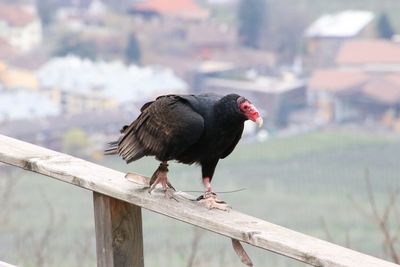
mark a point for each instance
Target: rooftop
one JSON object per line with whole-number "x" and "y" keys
{"x": 173, "y": 8}
{"x": 369, "y": 51}
{"x": 384, "y": 88}
{"x": 334, "y": 80}
{"x": 343, "y": 24}
{"x": 17, "y": 15}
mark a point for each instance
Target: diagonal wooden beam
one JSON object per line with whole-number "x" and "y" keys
{"x": 232, "y": 224}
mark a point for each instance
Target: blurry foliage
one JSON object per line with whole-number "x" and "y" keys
{"x": 386, "y": 220}
{"x": 385, "y": 29}
{"x": 28, "y": 243}
{"x": 251, "y": 16}
{"x": 132, "y": 52}
{"x": 75, "y": 141}
{"x": 284, "y": 33}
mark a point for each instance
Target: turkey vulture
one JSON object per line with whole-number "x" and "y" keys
{"x": 190, "y": 129}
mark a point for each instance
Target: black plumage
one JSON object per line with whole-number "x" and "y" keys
{"x": 187, "y": 128}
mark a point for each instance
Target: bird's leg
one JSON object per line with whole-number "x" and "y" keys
{"x": 207, "y": 185}
{"x": 160, "y": 177}
{"x": 209, "y": 198}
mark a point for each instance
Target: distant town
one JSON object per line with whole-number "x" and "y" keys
{"x": 89, "y": 66}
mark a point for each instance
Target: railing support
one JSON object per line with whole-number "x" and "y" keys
{"x": 119, "y": 236}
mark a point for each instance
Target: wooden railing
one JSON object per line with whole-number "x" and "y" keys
{"x": 118, "y": 220}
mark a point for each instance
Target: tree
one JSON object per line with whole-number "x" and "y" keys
{"x": 76, "y": 45}
{"x": 385, "y": 29}
{"x": 251, "y": 16}
{"x": 132, "y": 52}
{"x": 46, "y": 10}
{"x": 284, "y": 33}
{"x": 75, "y": 141}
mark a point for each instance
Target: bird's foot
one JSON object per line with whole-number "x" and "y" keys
{"x": 160, "y": 177}
{"x": 210, "y": 200}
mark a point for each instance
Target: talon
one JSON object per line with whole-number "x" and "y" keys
{"x": 160, "y": 177}
{"x": 210, "y": 200}
{"x": 170, "y": 186}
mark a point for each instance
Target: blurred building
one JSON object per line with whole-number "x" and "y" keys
{"x": 277, "y": 97}
{"x": 12, "y": 78}
{"x": 372, "y": 55}
{"x": 20, "y": 26}
{"x": 177, "y": 9}
{"x": 325, "y": 35}
{"x": 364, "y": 86}
{"x": 183, "y": 35}
{"x": 82, "y": 16}
{"x": 80, "y": 85}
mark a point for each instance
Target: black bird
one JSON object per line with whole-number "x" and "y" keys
{"x": 190, "y": 129}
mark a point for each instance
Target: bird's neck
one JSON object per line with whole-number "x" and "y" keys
{"x": 227, "y": 116}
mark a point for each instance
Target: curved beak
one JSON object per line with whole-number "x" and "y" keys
{"x": 259, "y": 122}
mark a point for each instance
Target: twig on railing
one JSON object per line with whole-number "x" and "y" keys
{"x": 382, "y": 220}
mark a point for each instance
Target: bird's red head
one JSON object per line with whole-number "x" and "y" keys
{"x": 249, "y": 110}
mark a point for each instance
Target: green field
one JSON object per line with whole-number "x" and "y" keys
{"x": 296, "y": 182}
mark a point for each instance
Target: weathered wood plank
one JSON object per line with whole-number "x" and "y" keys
{"x": 233, "y": 224}
{"x": 119, "y": 237}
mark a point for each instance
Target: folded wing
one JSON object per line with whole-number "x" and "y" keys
{"x": 165, "y": 128}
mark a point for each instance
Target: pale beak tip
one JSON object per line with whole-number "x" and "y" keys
{"x": 259, "y": 122}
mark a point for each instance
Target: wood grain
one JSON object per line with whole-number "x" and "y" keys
{"x": 232, "y": 224}
{"x": 119, "y": 237}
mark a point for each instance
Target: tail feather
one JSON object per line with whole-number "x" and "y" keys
{"x": 112, "y": 148}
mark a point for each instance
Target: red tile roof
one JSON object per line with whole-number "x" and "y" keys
{"x": 181, "y": 8}
{"x": 383, "y": 88}
{"x": 369, "y": 51}
{"x": 336, "y": 80}
{"x": 16, "y": 15}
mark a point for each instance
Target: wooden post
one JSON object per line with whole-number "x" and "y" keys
{"x": 119, "y": 236}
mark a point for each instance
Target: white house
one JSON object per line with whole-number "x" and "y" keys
{"x": 325, "y": 35}
{"x": 344, "y": 24}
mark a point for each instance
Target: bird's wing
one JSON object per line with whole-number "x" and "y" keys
{"x": 165, "y": 128}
